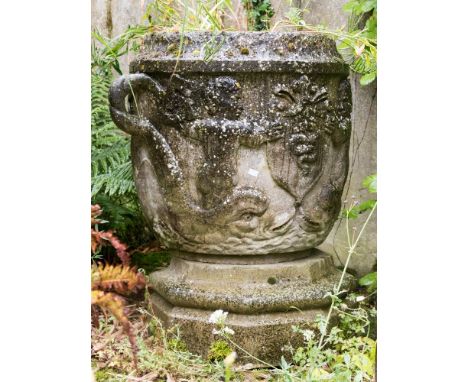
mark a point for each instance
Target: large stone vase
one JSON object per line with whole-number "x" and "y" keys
{"x": 240, "y": 154}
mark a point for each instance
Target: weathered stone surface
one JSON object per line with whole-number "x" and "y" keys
{"x": 263, "y": 335}
{"x": 248, "y": 161}
{"x": 249, "y": 288}
{"x": 239, "y": 163}
{"x": 264, "y": 300}
{"x": 239, "y": 52}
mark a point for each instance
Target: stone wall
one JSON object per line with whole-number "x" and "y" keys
{"x": 112, "y": 17}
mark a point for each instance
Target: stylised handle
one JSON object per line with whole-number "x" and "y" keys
{"x": 126, "y": 86}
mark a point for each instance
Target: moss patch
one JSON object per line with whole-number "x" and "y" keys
{"x": 219, "y": 350}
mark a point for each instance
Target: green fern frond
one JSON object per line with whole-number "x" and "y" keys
{"x": 111, "y": 171}
{"x": 106, "y": 158}
{"x": 118, "y": 181}
{"x": 112, "y": 184}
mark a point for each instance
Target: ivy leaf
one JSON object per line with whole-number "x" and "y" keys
{"x": 370, "y": 182}
{"x": 371, "y": 27}
{"x": 345, "y": 48}
{"x": 368, "y": 5}
{"x": 366, "y": 79}
{"x": 351, "y": 6}
{"x": 369, "y": 281}
{"x": 360, "y": 6}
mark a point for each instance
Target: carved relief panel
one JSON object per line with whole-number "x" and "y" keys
{"x": 237, "y": 163}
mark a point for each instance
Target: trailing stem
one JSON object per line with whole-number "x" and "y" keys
{"x": 337, "y": 291}
{"x": 247, "y": 353}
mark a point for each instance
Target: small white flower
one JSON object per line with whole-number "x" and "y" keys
{"x": 228, "y": 330}
{"x": 360, "y": 298}
{"x": 224, "y": 330}
{"x": 218, "y": 317}
{"x": 308, "y": 335}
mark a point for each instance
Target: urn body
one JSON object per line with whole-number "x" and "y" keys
{"x": 242, "y": 154}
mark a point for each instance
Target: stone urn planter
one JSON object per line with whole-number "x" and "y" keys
{"x": 239, "y": 162}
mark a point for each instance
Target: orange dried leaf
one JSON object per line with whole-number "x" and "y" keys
{"x": 95, "y": 212}
{"x": 120, "y": 248}
{"x": 96, "y": 241}
{"x": 117, "y": 278}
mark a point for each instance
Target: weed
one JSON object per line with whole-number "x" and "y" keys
{"x": 219, "y": 350}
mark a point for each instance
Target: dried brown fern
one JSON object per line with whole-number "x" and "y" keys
{"x": 100, "y": 238}
{"x": 121, "y": 279}
{"x": 110, "y": 282}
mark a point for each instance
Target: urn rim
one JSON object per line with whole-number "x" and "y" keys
{"x": 239, "y": 52}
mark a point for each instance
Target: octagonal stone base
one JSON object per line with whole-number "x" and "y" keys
{"x": 263, "y": 298}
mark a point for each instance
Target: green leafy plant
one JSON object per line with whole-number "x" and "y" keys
{"x": 361, "y": 53}
{"x": 162, "y": 13}
{"x": 110, "y": 156}
{"x": 259, "y": 13}
{"x": 177, "y": 344}
{"x": 111, "y": 172}
{"x": 363, "y": 12}
{"x": 343, "y": 357}
{"x": 112, "y": 184}
{"x": 189, "y": 15}
{"x": 219, "y": 350}
{"x": 357, "y": 45}
{"x": 295, "y": 17}
{"x": 105, "y": 52}
{"x": 369, "y": 281}
{"x": 370, "y": 182}
{"x": 356, "y": 209}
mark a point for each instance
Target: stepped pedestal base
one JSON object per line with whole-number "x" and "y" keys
{"x": 264, "y": 299}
